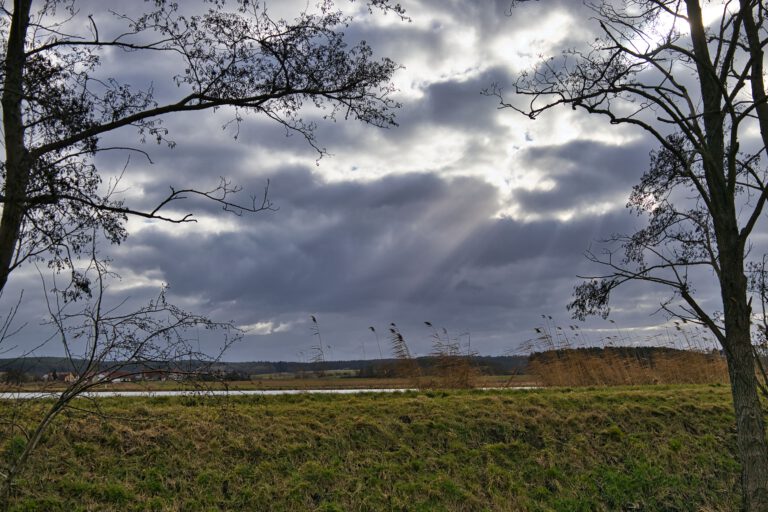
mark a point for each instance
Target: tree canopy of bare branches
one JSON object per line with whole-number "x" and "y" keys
{"x": 697, "y": 86}
{"x": 58, "y": 103}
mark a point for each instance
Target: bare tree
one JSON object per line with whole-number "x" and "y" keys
{"x": 57, "y": 102}
{"x": 105, "y": 343}
{"x": 697, "y": 87}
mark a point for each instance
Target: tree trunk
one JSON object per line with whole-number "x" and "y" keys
{"x": 17, "y": 162}
{"x": 750, "y": 427}
{"x": 750, "y": 424}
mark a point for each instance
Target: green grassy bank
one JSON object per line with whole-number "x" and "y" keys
{"x": 643, "y": 448}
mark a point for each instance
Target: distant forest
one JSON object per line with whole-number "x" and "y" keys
{"x": 36, "y": 367}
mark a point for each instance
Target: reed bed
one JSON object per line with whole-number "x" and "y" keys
{"x": 452, "y": 365}
{"x": 684, "y": 354}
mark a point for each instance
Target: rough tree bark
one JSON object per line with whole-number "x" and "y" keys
{"x": 737, "y": 343}
{"x": 18, "y": 165}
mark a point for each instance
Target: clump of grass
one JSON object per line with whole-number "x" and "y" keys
{"x": 378, "y": 344}
{"x": 317, "y": 350}
{"x": 612, "y": 366}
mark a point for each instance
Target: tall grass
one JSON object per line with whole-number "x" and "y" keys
{"x": 450, "y": 365}
{"x": 567, "y": 356}
{"x": 453, "y": 368}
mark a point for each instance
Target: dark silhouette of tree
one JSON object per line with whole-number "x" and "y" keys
{"x": 57, "y": 102}
{"x": 697, "y": 87}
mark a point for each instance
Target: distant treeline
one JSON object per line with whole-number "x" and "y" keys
{"x": 645, "y": 354}
{"x": 36, "y": 367}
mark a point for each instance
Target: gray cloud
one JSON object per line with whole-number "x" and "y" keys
{"x": 584, "y": 172}
{"x": 403, "y": 248}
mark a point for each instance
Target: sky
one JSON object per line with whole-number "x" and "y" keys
{"x": 473, "y": 218}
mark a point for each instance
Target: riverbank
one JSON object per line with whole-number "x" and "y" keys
{"x": 638, "y": 448}
{"x": 272, "y": 383}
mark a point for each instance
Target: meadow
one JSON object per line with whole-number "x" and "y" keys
{"x": 621, "y": 448}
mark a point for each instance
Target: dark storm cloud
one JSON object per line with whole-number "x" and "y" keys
{"x": 364, "y": 238}
{"x": 505, "y": 241}
{"x": 453, "y": 104}
{"x": 402, "y": 248}
{"x": 584, "y": 173}
{"x": 457, "y": 104}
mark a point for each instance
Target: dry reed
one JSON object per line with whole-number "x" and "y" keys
{"x": 453, "y": 367}
{"x": 567, "y": 357}
{"x": 447, "y": 367}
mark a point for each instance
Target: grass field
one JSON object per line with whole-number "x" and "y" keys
{"x": 635, "y": 448}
